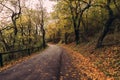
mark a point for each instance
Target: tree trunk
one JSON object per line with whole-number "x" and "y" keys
{"x": 77, "y": 36}
{"x": 44, "y": 43}
{"x": 36, "y": 34}
{"x": 104, "y": 32}
{"x": 22, "y": 34}
{"x": 42, "y": 27}
{"x": 15, "y": 31}
{"x": 66, "y": 37}
{"x": 106, "y": 28}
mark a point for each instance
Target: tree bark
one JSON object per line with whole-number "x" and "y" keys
{"x": 44, "y": 43}
{"x": 15, "y": 30}
{"x": 66, "y": 37}
{"x": 107, "y": 26}
{"x": 77, "y": 36}
{"x": 104, "y": 32}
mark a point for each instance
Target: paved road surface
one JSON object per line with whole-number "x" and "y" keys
{"x": 44, "y": 66}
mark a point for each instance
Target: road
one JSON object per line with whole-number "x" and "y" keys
{"x": 48, "y": 65}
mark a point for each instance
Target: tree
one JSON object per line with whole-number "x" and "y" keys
{"x": 111, "y": 17}
{"x": 62, "y": 23}
{"x": 77, "y": 9}
{"x": 15, "y": 15}
{"x": 21, "y": 26}
{"x": 41, "y": 20}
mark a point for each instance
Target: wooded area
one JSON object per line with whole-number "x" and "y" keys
{"x": 70, "y": 21}
{"x": 87, "y": 30}
{"x": 83, "y": 19}
{"x": 21, "y": 29}
{"x": 21, "y": 26}
{"x": 90, "y": 28}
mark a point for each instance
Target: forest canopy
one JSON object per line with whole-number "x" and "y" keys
{"x": 21, "y": 25}
{"x": 78, "y": 20}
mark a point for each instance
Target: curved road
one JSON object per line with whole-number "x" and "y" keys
{"x": 44, "y": 66}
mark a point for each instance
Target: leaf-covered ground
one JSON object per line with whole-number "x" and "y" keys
{"x": 87, "y": 70}
{"x": 98, "y": 64}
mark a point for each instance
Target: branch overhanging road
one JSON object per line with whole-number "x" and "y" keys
{"x": 48, "y": 65}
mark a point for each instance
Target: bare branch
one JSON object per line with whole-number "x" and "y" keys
{"x": 6, "y": 7}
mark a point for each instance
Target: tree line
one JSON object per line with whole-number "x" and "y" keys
{"x": 76, "y": 20}
{"x": 21, "y": 26}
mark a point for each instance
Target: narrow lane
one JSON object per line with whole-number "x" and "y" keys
{"x": 44, "y": 66}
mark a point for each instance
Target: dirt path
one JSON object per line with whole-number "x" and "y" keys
{"x": 55, "y": 63}
{"x": 49, "y": 65}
